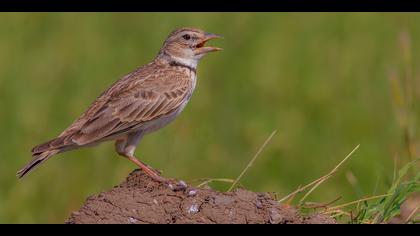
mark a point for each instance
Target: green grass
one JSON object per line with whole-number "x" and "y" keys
{"x": 324, "y": 81}
{"x": 386, "y": 208}
{"x": 390, "y": 205}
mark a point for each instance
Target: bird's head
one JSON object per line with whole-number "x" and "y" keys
{"x": 187, "y": 46}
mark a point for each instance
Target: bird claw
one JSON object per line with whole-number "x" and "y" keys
{"x": 175, "y": 185}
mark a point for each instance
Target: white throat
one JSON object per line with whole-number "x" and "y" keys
{"x": 191, "y": 62}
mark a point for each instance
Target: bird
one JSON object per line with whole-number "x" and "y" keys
{"x": 139, "y": 103}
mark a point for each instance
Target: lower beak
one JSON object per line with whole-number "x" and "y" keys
{"x": 201, "y": 49}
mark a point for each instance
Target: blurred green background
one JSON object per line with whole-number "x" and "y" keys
{"x": 319, "y": 79}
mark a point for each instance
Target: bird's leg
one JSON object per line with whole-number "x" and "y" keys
{"x": 126, "y": 147}
{"x": 149, "y": 171}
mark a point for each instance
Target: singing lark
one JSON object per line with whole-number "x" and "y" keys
{"x": 141, "y": 102}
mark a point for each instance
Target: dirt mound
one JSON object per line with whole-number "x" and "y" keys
{"x": 141, "y": 200}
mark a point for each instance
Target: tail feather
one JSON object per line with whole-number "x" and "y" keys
{"x": 36, "y": 161}
{"x": 50, "y": 145}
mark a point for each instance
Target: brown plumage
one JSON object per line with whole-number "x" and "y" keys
{"x": 139, "y": 103}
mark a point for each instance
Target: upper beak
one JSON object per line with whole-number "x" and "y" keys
{"x": 209, "y": 36}
{"x": 201, "y": 48}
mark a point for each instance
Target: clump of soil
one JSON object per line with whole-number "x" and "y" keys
{"x": 140, "y": 200}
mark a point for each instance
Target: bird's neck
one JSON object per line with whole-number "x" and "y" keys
{"x": 166, "y": 58}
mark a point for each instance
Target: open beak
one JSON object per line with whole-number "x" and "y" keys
{"x": 202, "y": 49}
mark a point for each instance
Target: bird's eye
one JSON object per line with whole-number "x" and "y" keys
{"x": 186, "y": 36}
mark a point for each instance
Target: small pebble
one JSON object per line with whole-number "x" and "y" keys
{"x": 183, "y": 184}
{"x": 132, "y": 220}
{"x": 193, "y": 209}
{"x": 258, "y": 204}
{"x": 275, "y": 216}
{"x": 192, "y": 192}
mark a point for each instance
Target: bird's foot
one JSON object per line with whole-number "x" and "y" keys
{"x": 176, "y": 185}
{"x": 173, "y": 184}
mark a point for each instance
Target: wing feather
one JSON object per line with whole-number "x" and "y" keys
{"x": 140, "y": 101}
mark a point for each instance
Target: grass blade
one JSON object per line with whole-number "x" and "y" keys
{"x": 329, "y": 174}
{"x": 252, "y": 160}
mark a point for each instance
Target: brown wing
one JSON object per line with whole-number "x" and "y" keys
{"x": 132, "y": 101}
{"x": 150, "y": 100}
